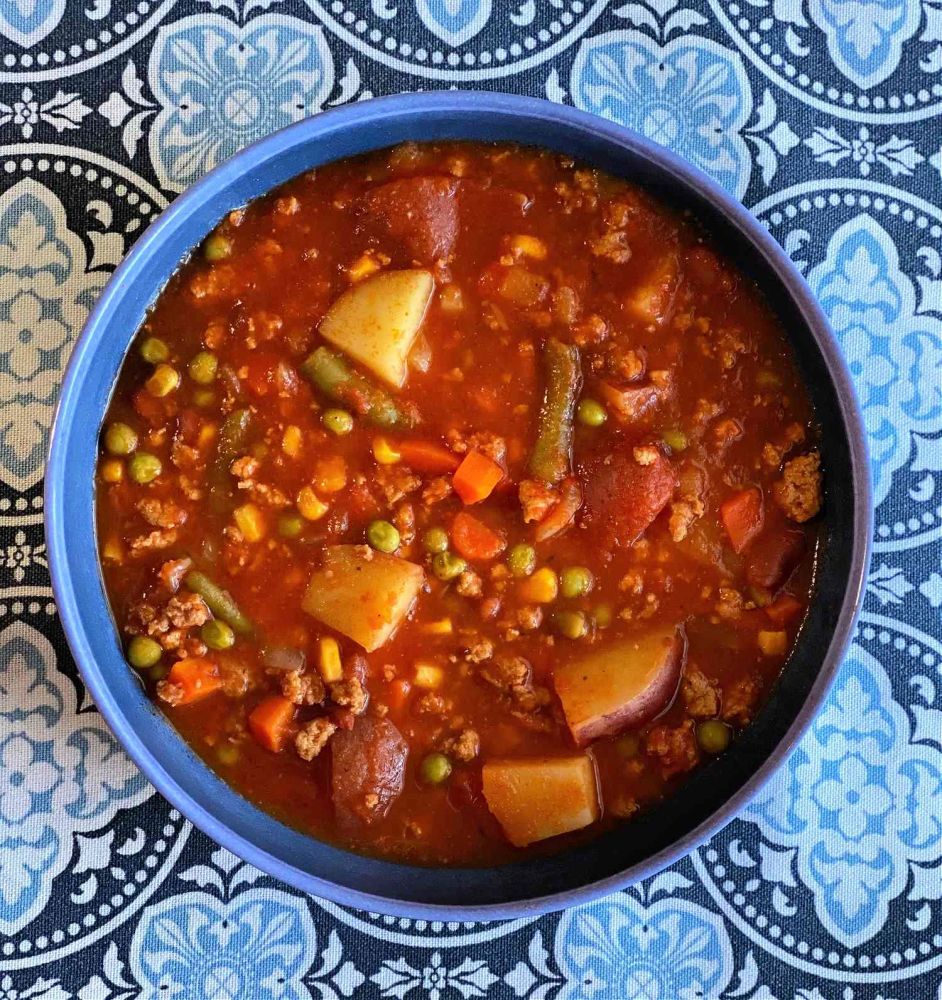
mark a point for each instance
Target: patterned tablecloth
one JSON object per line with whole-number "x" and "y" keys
{"x": 825, "y": 117}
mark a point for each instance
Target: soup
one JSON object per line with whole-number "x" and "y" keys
{"x": 457, "y": 501}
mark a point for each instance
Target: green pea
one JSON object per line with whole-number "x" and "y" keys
{"x": 154, "y": 350}
{"x": 603, "y": 615}
{"x": 217, "y": 247}
{"x": 435, "y": 768}
{"x": 713, "y": 736}
{"x": 144, "y": 467}
{"x": 164, "y": 381}
{"x": 227, "y": 754}
{"x": 591, "y": 413}
{"x": 204, "y": 397}
{"x": 217, "y": 634}
{"x": 337, "y": 421}
{"x": 576, "y": 581}
{"x": 120, "y": 439}
{"x": 570, "y": 624}
{"x": 383, "y": 536}
{"x": 435, "y": 540}
{"x": 446, "y": 565}
{"x": 290, "y": 526}
{"x": 202, "y": 367}
{"x": 159, "y": 672}
{"x": 628, "y": 746}
{"x": 675, "y": 439}
{"x": 144, "y": 652}
{"x": 521, "y": 559}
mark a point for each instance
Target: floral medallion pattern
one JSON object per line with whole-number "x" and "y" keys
{"x": 825, "y": 117}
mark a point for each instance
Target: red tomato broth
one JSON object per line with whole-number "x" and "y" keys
{"x": 258, "y": 311}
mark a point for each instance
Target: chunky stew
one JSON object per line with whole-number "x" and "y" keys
{"x": 458, "y": 500}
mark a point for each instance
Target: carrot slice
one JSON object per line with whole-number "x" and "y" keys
{"x": 270, "y": 721}
{"x": 196, "y": 677}
{"x": 397, "y": 694}
{"x": 426, "y": 456}
{"x": 475, "y": 540}
{"x": 743, "y": 517}
{"x": 476, "y": 477}
{"x": 784, "y": 609}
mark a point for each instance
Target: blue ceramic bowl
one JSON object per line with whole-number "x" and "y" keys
{"x": 717, "y": 792}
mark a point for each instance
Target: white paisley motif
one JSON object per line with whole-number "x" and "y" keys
{"x": 195, "y": 946}
{"x": 690, "y": 94}
{"x": 61, "y": 773}
{"x": 858, "y": 804}
{"x": 45, "y": 294}
{"x": 221, "y": 86}
{"x": 894, "y": 351}
{"x": 670, "y": 949}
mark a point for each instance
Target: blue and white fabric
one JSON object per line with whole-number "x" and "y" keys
{"x": 825, "y": 118}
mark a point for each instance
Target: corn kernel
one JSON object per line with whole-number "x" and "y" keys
{"x": 113, "y": 550}
{"x": 428, "y": 676}
{"x": 329, "y": 660}
{"x": 442, "y": 627}
{"x": 528, "y": 246}
{"x": 540, "y": 588}
{"x": 384, "y": 453}
{"x": 112, "y": 470}
{"x": 206, "y": 435}
{"x": 773, "y": 643}
{"x": 331, "y": 474}
{"x": 166, "y": 379}
{"x": 363, "y": 267}
{"x": 291, "y": 441}
{"x": 250, "y": 521}
{"x": 310, "y": 506}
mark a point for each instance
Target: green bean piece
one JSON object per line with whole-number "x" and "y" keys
{"x": 446, "y": 565}
{"x": 217, "y": 247}
{"x": 591, "y": 413}
{"x": 382, "y": 536}
{"x": 120, "y": 439}
{"x": 144, "y": 468}
{"x": 435, "y": 769}
{"x": 154, "y": 350}
{"x": 290, "y": 526}
{"x": 675, "y": 439}
{"x": 435, "y": 540}
{"x": 338, "y": 422}
{"x": 330, "y": 373}
{"x": 576, "y": 581}
{"x": 202, "y": 367}
{"x": 552, "y": 454}
{"x": 713, "y": 736}
{"x": 232, "y": 437}
{"x": 219, "y": 601}
{"x": 571, "y": 624}
{"x": 144, "y": 652}
{"x": 217, "y": 634}
{"x": 521, "y": 559}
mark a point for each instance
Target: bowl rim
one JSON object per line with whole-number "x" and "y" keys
{"x": 467, "y": 103}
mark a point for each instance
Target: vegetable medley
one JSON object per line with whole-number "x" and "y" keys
{"x": 456, "y": 498}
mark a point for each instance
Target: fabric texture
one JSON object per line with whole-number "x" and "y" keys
{"x": 825, "y": 118}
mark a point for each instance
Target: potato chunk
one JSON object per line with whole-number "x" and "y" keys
{"x": 625, "y": 684}
{"x": 363, "y": 594}
{"x": 534, "y": 798}
{"x": 376, "y": 321}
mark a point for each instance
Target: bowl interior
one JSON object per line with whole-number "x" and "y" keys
{"x": 635, "y": 849}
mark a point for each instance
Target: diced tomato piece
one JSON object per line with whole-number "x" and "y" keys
{"x": 419, "y": 212}
{"x": 785, "y": 608}
{"x": 427, "y": 456}
{"x": 196, "y": 676}
{"x": 622, "y": 497}
{"x": 743, "y": 515}
{"x": 475, "y": 540}
{"x": 270, "y": 722}
{"x": 476, "y": 477}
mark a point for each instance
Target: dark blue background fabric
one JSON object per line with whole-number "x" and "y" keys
{"x": 825, "y": 118}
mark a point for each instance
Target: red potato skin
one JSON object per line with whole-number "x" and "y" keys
{"x": 622, "y": 498}
{"x": 773, "y": 557}
{"x": 576, "y": 683}
{"x": 419, "y": 212}
{"x": 370, "y": 758}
